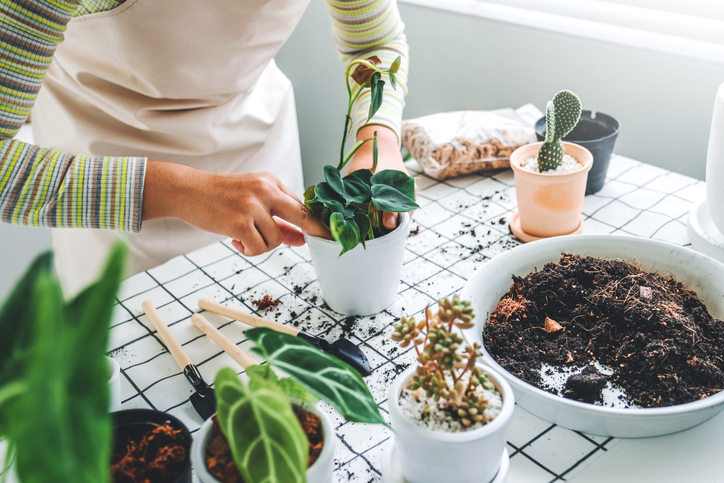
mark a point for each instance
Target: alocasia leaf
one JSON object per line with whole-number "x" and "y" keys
{"x": 265, "y": 437}
{"x": 389, "y": 199}
{"x": 296, "y": 391}
{"x": 345, "y": 231}
{"x": 325, "y": 376}
{"x": 396, "y": 179}
{"x": 262, "y": 371}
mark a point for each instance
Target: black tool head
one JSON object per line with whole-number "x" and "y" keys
{"x": 203, "y": 400}
{"x": 348, "y": 352}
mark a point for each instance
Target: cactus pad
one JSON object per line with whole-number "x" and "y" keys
{"x": 562, "y": 115}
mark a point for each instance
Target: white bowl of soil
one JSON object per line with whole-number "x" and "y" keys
{"x": 695, "y": 271}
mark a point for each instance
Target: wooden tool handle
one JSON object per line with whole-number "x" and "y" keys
{"x": 172, "y": 344}
{"x": 222, "y": 341}
{"x": 243, "y": 317}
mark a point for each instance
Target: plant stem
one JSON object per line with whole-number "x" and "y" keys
{"x": 347, "y": 127}
{"x": 354, "y": 149}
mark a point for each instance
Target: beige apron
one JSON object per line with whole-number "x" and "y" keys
{"x": 171, "y": 80}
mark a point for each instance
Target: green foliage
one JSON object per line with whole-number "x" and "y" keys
{"x": 440, "y": 360}
{"x": 325, "y": 376}
{"x": 346, "y": 204}
{"x": 54, "y": 375}
{"x": 265, "y": 437}
{"x": 562, "y": 115}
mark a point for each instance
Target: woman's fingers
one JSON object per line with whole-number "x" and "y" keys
{"x": 251, "y": 243}
{"x": 389, "y": 220}
{"x": 291, "y": 236}
{"x": 293, "y": 211}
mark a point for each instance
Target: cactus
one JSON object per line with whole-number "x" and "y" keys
{"x": 562, "y": 114}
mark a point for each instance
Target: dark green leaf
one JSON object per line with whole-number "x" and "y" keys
{"x": 389, "y": 199}
{"x": 356, "y": 190}
{"x": 374, "y": 153}
{"x": 364, "y": 175}
{"x": 363, "y": 221}
{"x": 296, "y": 392}
{"x": 265, "y": 437}
{"x": 345, "y": 231}
{"x": 334, "y": 180}
{"x": 327, "y": 377}
{"x": 325, "y": 194}
{"x": 396, "y": 179}
{"x": 377, "y": 86}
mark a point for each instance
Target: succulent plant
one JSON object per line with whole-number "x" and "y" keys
{"x": 441, "y": 365}
{"x": 562, "y": 114}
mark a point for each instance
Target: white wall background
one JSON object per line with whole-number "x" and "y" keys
{"x": 664, "y": 102}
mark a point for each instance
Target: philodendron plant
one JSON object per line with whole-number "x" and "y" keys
{"x": 441, "y": 366}
{"x": 350, "y": 206}
{"x": 562, "y": 114}
{"x": 265, "y": 437}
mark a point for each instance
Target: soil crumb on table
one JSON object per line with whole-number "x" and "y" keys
{"x": 654, "y": 335}
{"x": 266, "y": 303}
{"x": 160, "y": 456}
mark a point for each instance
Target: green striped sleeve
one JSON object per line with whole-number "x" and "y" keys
{"x": 361, "y": 29}
{"x": 43, "y": 187}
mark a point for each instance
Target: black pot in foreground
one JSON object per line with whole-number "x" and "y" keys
{"x": 132, "y": 424}
{"x": 596, "y": 132}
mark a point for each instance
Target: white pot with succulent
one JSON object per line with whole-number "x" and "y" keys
{"x": 352, "y": 207}
{"x": 270, "y": 429}
{"x": 450, "y": 414}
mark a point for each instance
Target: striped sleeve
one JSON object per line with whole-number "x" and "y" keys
{"x": 44, "y": 187}
{"x": 361, "y": 29}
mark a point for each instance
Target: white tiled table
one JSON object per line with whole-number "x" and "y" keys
{"x": 462, "y": 224}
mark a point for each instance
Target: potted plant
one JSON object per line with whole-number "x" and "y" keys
{"x": 270, "y": 429}
{"x": 450, "y": 414}
{"x": 550, "y": 176}
{"x": 363, "y": 253}
{"x": 596, "y": 132}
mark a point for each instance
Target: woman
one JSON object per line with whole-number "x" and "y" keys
{"x": 187, "y": 127}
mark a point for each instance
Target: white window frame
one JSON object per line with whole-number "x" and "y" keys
{"x": 708, "y": 51}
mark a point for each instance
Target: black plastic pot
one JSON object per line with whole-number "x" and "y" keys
{"x": 133, "y": 423}
{"x": 596, "y": 132}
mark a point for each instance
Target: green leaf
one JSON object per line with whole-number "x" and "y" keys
{"x": 395, "y": 66}
{"x": 396, "y": 179}
{"x": 345, "y": 231}
{"x": 362, "y": 218}
{"x": 377, "y": 86}
{"x": 265, "y": 437}
{"x": 356, "y": 190}
{"x": 325, "y": 376}
{"x": 374, "y": 153}
{"x": 262, "y": 371}
{"x": 389, "y": 199}
{"x": 316, "y": 207}
{"x": 363, "y": 175}
{"x": 296, "y": 391}
{"x": 334, "y": 180}
{"x": 60, "y": 425}
{"x": 393, "y": 81}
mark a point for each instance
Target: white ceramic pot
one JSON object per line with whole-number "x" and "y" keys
{"x": 428, "y": 456}
{"x": 361, "y": 282}
{"x": 715, "y": 163}
{"x": 695, "y": 271}
{"x": 320, "y": 472}
{"x": 114, "y": 385}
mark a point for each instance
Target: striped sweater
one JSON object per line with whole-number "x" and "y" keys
{"x": 40, "y": 186}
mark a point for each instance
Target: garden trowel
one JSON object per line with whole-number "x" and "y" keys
{"x": 342, "y": 349}
{"x": 203, "y": 398}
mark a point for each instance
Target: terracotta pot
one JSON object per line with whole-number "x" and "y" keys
{"x": 550, "y": 204}
{"x": 428, "y": 456}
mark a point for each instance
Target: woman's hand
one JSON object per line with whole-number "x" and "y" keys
{"x": 388, "y": 157}
{"x": 255, "y": 209}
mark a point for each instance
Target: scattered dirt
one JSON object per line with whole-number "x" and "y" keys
{"x": 657, "y": 336}
{"x": 159, "y": 456}
{"x": 415, "y": 231}
{"x": 298, "y": 290}
{"x": 266, "y": 303}
{"x": 220, "y": 462}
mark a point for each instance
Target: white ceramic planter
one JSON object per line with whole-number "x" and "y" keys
{"x": 114, "y": 385}
{"x": 715, "y": 163}
{"x": 320, "y": 472}
{"x": 695, "y": 271}
{"x": 428, "y": 456}
{"x": 361, "y": 282}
